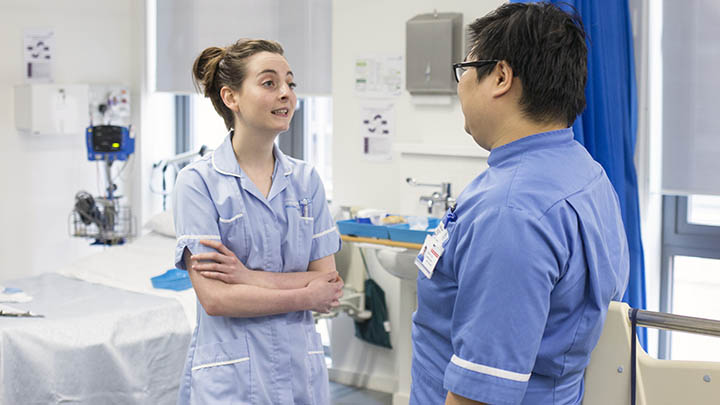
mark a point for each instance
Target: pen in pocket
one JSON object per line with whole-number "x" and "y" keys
{"x": 304, "y": 207}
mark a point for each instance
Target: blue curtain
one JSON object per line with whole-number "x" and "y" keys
{"x": 608, "y": 126}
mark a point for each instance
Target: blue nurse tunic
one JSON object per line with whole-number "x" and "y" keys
{"x": 518, "y": 299}
{"x": 274, "y": 359}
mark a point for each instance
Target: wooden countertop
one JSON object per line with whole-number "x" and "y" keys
{"x": 386, "y": 242}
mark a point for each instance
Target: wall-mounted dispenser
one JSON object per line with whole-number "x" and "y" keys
{"x": 51, "y": 109}
{"x": 434, "y": 43}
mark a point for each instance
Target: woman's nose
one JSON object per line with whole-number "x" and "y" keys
{"x": 285, "y": 91}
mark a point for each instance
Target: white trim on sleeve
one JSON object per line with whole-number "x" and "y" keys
{"x": 496, "y": 372}
{"x": 323, "y": 233}
{"x": 197, "y": 237}
{"x": 317, "y": 352}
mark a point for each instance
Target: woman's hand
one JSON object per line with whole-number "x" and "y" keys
{"x": 222, "y": 265}
{"x": 325, "y": 292}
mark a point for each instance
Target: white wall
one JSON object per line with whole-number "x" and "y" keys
{"x": 95, "y": 42}
{"x": 375, "y": 27}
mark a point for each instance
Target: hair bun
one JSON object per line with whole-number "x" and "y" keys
{"x": 205, "y": 67}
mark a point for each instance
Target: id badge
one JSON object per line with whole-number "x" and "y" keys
{"x": 430, "y": 254}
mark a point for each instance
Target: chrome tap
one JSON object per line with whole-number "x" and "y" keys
{"x": 444, "y": 196}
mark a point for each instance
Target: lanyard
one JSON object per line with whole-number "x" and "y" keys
{"x": 450, "y": 217}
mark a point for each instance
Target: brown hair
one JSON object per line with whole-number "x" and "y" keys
{"x": 217, "y": 67}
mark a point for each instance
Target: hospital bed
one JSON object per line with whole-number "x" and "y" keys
{"x": 608, "y": 377}
{"x": 106, "y": 336}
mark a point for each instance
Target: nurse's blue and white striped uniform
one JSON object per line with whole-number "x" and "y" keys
{"x": 274, "y": 359}
{"x": 519, "y": 297}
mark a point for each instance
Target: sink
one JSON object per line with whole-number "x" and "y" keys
{"x": 399, "y": 262}
{"x": 402, "y": 302}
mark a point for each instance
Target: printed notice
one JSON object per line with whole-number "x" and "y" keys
{"x": 38, "y": 47}
{"x": 378, "y": 77}
{"x": 377, "y": 129}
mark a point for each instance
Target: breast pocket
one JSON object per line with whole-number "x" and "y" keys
{"x": 299, "y": 238}
{"x": 221, "y": 373}
{"x": 234, "y": 235}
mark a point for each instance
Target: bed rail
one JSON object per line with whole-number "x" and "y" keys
{"x": 680, "y": 323}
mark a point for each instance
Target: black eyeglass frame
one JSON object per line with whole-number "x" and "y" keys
{"x": 472, "y": 63}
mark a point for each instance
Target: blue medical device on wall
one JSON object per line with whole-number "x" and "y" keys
{"x": 109, "y": 142}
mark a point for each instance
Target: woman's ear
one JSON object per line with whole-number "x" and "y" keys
{"x": 503, "y": 79}
{"x": 229, "y": 97}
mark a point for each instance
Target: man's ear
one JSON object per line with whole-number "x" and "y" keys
{"x": 229, "y": 97}
{"x": 502, "y": 79}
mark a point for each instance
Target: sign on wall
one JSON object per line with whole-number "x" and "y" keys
{"x": 378, "y": 76}
{"x": 38, "y": 48}
{"x": 377, "y": 129}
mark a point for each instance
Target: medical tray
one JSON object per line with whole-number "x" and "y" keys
{"x": 403, "y": 233}
{"x": 354, "y": 228}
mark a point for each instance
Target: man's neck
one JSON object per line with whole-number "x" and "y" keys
{"x": 512, "y": 130}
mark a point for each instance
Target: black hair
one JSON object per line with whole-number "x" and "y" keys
{"x": 545, "y": 47}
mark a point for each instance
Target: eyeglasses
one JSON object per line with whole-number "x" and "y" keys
{"x": 460, "y": 68}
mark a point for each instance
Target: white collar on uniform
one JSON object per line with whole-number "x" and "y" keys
{"x": 224, "y": 160}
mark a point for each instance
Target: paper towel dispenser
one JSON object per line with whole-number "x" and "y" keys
{"x": 434, "y": 43}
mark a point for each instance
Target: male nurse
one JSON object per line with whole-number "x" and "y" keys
{"x": 535, "y": 249}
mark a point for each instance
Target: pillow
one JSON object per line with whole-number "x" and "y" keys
{"x": 162, "y": 223}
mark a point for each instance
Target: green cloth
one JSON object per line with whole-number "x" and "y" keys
{"x": 373, "y": 330}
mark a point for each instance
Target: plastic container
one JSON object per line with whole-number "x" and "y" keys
{"x": 403, "y": 233}
{"x": 374, "y": 215}
{"x": 353, "y": 227}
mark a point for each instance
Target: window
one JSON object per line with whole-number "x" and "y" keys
{"x": 704, "y": 210}
{"x": 680, "y": 40}
{"x": 696, "y": 286}
{"x": 318, "y": 138}
{"x": 208, "y": 128}
{"x": 690, "y": 274}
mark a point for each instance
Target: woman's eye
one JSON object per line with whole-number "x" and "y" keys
{"x": 292, "y": 85}
{"x": 268, "y": 83}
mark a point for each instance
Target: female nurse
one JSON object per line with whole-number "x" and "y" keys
{"x": 256, "y": 236}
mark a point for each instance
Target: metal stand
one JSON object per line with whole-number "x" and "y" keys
{"x": 102, "y": 218}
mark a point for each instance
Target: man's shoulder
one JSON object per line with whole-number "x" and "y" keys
{"x": 545, "y": 179}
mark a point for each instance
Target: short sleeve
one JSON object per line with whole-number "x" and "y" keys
{"x": 195, "y": 215}
{"x": 326, "y": 238}
{"x": 506, "y": 266}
